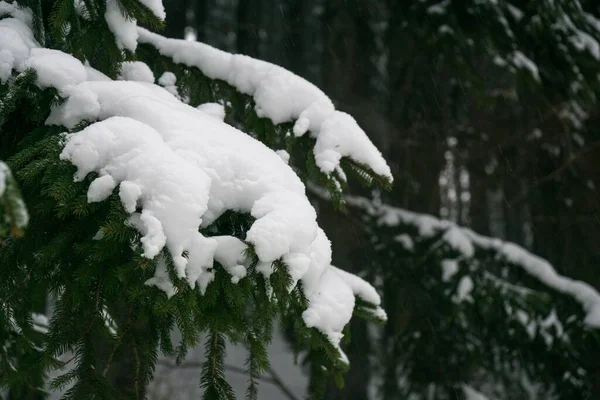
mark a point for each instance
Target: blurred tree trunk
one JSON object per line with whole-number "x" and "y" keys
{"x": 348, "y": 77}
{"x": 176, "y": 20}
{"x": 248, "y": 27}
{"x": 200, "y": 14}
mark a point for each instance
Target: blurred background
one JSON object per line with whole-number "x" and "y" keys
{"x": 487, "y": 114}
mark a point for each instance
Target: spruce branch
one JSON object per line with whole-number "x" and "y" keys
{"x": 272, "y": 378}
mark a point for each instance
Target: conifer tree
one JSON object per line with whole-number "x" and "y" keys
{"x": 161, "y": 204}
{"x": 470, "y": 314}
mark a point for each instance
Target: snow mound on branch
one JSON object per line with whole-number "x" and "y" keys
{"x": 125, "y": 30}
{"x": 183, "y": 169}
{"x": 215, "y": 110}
{"x": 472, "y": 394}
{"x": 156, "y": 6}
{"x": 465, "y": 241}
{"x": 16, "y": 39}
{"x": 177, "y": 169}
{"x": 55, "y": 68}
{"x": 281, "y": 96}
{"x": 136, "y": 71}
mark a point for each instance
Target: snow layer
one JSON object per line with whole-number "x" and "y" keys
{"x": 465, "y": 241}
{"x": 177, "y": 168}
{"x": 16, "y": 39}
{"x": 215, "y": 110}
{"x": 472, "y": 394}
{"x": 280, "y": 96}
{"x": 156, "y": 6}
{"x": 136, "y": 71}
{"x": 125, "y": 30}
{"x": 55, "y": 68}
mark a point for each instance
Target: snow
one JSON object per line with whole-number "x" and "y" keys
{"x": 125, "y": 30}
{"x": 458, "y": 241}
{"x": 527, "y": 322}
{"x": 406, "y": 241}
{"x": 161, "y": 278}
{"x": 439, "y": 8}
{"x": 167, "y": 79}
{"x": 81, "y": 9}
{"x": 445, "y": 29}
{"x": 4, "y": 174}
{"x": 284, "y": 155}
{"x": 472, "y": 394}
{"x": 109, "y": 322}
{"x": 280, "y": 96}
{"x": 584, "y": 41}
{"x": 101, "y": 188}
{"x": 551, "y": 321}
{"x": 449, "y": 269}
{"x": 593, "y": 21}
{"x": 136, "y": 71}
{"x": 464, "y": 289}
{"x": 55, "y": 68}
{"x": 20, "y": 216}
{"x": 156, "y": 7}
{"x": 93, "y": 74}
{"x": 230, "y": 254}
{"x": 178, "y": 168}
{"x": 543, "y": 271}
{"x": 464, "y": 238}
{"x": 516, "y": 13}
{"x": 215, "y": 110}
{"x": 16, "y": 40}
{"x": 520, "y": 60}
{"x": 21, "y": 14}
{"x": 40, "y": 323}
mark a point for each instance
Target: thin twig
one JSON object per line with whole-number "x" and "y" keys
{"x": 281, "y": 385}
{"x": 110, "y": 357}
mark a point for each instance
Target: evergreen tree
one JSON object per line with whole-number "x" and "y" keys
{"x": 152, "y": 211}
{"x": 473, "y": 314}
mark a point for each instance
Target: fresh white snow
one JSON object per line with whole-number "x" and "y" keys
{"x": 136, "y": 71}
{"x": 280, "y": 96}
{"x": 472, "y": 394}
{"x": 178, "y": 168}
{"x": 465, "y": 241}
{"x": 125, "y": 30}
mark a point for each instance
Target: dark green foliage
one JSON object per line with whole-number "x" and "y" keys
{"x": 107, "y": 326}
{"x": 508, "y": 328}
{"x": 213, "y": 372}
